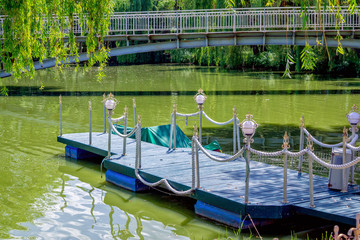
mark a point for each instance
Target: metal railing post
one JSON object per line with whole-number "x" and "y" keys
{"x": 138, "y": 140}
{"x": 285, "y": 146}
{"x": 134, "y": 109}
{"x": 345, "y": 179}
{"x": 238, "y": 134}
{"x": 148, "y": 22}
{"x": 301, "y": 145}
{"x": 125, "y": 130}
{"x": 174, "y": 129}
{"x": 197, "y": 164}
{"x": 285, "y": 180}
{"x": 247, "y": 177}
{"x": 90, "y": 126}
{"x": 193, "y": 160}
{"x": 234, "y": 130}
{"x": 109, "y": 136}
{"x": 206, "y": 22}
{"x": 352, "y": 169}
{"x": 311, "y": 182}
{"x": 104, "y": 97}
{"x": 60, "y": 103}
{"x": 311, "y": 175}
{"x": 200, "y": 123}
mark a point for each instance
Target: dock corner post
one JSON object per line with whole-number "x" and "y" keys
{"x": 60, "y": 103}
{"x": 301, "y": 145}
{"x": 234, "y": 130}
{"x": 354, "y": 129}
{"x": 238, "y": 133}
{"x": 134, "y": 108}
{"x": 247, "y": 177}
{"x": 174, "y": 129}
{"x": 197, "y": 167}
{"x": 311, "y": 175}
{"x": 194, "y": 165}
{"x": 248, "y": 128}
{"x": 200, "y": 98}
{"x": 104, "y": 99}
{"x": 109, "y": 136}
{"x": 200, "y": 123}
{"x": 138, "y": 142}
{"x": 90, "y": 126}
{"x": 285, "y": 146}
{"x": 171, "y": 131}
{"x": 125, "y": 130}
{"x": 345, "y": 179}
{"x": 110, "y": 104}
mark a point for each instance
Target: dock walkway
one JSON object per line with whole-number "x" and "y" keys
{"x": 222, "y": 185}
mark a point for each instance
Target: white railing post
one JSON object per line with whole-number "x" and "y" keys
{"x": 345, "y": 179}
{"x": 197, "y": 163}
{"x": 301, "y": 145}
{"x": 206, "y": 22}
{"x": 247, "y": 176}
{"x": 104, "y": 97}
{"x": 134, "y": 109}
{"x": 109, "y": 136}
{"x": 234, "y": 130}
{"x": 125, "y": 130}
{"x": 200, "y": 123}
{"x": 60, "y": 103}
{"x": 174, "y": 127}
{"x": 311, "y": 175}
{"x": 285, "y": 146}
{"x": 90, "y": 126}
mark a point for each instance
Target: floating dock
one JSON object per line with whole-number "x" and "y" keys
{"x": 222, "y": 185}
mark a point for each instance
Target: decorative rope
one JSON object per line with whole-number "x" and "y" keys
{"x": 333, "y": 166}
{"x": 320, "y": 143}
{"x": 187, "y": 115}
{"x": 119, "y": 134}
{"x": 165, "y": 182}
{"x": 218, "y": 123}
{"x": 351, "y": 144}
{"x": 118, "y": 119}
{"x": 162, "y": 181}
{"x": 266, "y": 154}
{"x": 217, "y": 159}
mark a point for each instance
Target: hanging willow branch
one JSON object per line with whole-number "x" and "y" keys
{"x": 41, "y": 29}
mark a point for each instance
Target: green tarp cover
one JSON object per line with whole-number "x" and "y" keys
{"x": 160, "y": 135}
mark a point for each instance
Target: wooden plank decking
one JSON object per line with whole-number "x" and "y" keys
{"x": 223, "y": 184}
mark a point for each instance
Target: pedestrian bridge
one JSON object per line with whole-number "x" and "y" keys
{"x": 165, "y": 30}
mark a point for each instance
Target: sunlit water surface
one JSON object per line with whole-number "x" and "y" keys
{"x": 46, "y": 196}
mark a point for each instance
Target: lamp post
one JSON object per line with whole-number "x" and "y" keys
{"x": 200, "y": 98}
{"x": 110, "y": 104}
{"x": 354, "y": 118}
{"x": 248, "y": 128}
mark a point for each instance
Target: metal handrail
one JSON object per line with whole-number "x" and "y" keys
{"x": 234, "y": 120}
{"x": 285, "y": 153}
{"x": 215, "y": 20}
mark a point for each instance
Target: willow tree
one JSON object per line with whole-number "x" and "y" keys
{"x": 35, "y": 30}
{"x": 308, "y": 56}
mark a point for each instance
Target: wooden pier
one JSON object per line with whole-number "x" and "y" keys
{"x": 221, "y": 193}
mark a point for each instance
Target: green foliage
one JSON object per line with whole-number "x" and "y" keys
{"x": 27, "y": 38}
{"x": 289, "y": 61}
{"x": 4, "y": 91}
{"x": 308, "y": 58}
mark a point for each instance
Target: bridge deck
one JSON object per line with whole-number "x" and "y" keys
{"x": 223, "y": 184}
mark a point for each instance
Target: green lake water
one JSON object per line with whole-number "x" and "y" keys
{"x": 43, "y": 195}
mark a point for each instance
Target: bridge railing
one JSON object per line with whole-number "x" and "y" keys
{"x": 224, "y": 20}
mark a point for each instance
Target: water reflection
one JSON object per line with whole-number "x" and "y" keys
{"x": 44, "y": 195}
